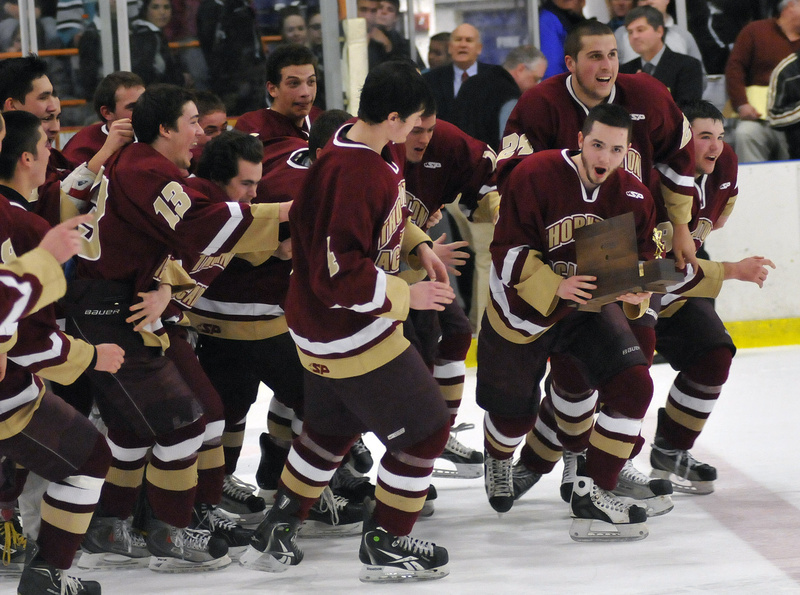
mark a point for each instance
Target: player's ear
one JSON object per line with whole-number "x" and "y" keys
{"x": 580, "y": 140}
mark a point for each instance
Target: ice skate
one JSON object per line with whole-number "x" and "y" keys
{"x": 360, "y": 457}
{"x": 40, "y": 577}
{"x": 222, "y": 526}
{"x": 523, "y": 479}
{"x": 687, "y": 474}
{"x": 635, "y": 487}
{"x": 12, "y": 543}
{"x": 273, "y": 547}
{"x": 347, "y": 484}
{"x": 239, "y": 498}
{"x": 570, "y": 472}
{"x": 113, "y": 543}
{"x": 332, "y": 516}
{"x": 468, "y": 462}
{"x": 184, "y": 550}
{"x": 598, "y": 515}
{"x": 389, "y": 558}
{"x": 270, "y": 467}
{"x": 498, "y": 482}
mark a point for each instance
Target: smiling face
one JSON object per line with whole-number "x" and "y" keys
{"x": 185, "y": 135}
{"x": 419, "y": 138}
{"x": 51, "y": 124}
{"x": 295, "y": 94}
{"x": 39, "y": 161}
{"x": 213, "y": 124}
{"x": 595, "y": 68}
{"x": 603, "y": 150}
{"x": 708, "y": 136}
{"x": 294, "y": 29}
{"x": 40, "y": 100}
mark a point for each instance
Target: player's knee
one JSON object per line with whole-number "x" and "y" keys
{"x": 629, "y": 392}
{"x": 712, "y": 368}
{"x": 432, "y": 446}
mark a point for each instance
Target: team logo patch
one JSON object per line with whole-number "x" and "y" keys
{"x": 634, "y": 194}
{"x": 725, "y": 185}
{"x": 432, "y": 164}
{"x": 637, "y": 117}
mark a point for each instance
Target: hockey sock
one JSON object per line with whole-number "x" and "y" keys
{"x": 502, "y": 435}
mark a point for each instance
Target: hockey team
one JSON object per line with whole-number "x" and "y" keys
{"x": 293, "y": 251}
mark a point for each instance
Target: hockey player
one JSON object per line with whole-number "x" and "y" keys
{"x": 444, "y": 165}
{"x": 344, "y": 309}
{"x": 151, "y": 213}
{"x": 533, "y": 282}
{"x": 292, "y": 87}
{"x": 42, "y": 433}
{"x": 549, "y": 116}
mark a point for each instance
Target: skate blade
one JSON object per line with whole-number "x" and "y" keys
{"x": 655, "y": 506}
{"x": 596, "y": 530}
{"x": 461, "y": 471}
{"x": 390, "y": 574}
{"x": 176, "y": 565}
{"x": 684, "y": 486}
{"x": 317, "y": 529}
{"x": 250, "y": 520}
{"x": 89, "y": 561}
{"x": 263, "y": 561}
{"x": 14, "y": 569}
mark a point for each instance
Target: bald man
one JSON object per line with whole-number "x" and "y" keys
{"x": 445, "y": 82}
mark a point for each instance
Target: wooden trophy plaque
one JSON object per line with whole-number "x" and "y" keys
{"x": 607, "y": 250}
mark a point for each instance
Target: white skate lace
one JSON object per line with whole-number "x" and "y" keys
{"x": 359, "y": 447}
{"x": 603, "y": 499}
{"x": 414, "y": 545}
{"x": 193, "y": 539}
{"x": 329, "y": 502}
{"x": 500, "y": 483}
{"x": 69, "y": 584}
{"x": 236, "y": 489}
{"x": 455, "y": 447}
{"x": 570, "y": 466}
{"x": 217, "y": 519}
{"x": 13, "y": 541}
{"x": 127, "y": 536}
{"x": 633, "y": 475}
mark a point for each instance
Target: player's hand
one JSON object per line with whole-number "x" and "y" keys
{"x": 577, "y": 288}
{"x": 283, "y": 212}
{"x": 64, "y": 240}
{"x": 109, "y": 357}
{"x": 436, "y": 269}
{"x": 683, "y": 246}
{"x": 748, "y": 112}
{"x": 635, "y": 298}
{"x": 433, "y": 219}
{"x": 120, "y": 133}
{"x": 151, "y": 307}
{"x": 450, "y": 255}
{"x": 430, "y": 295}
{"x": 753, "y": 269}
{"x": 284, "y": 250}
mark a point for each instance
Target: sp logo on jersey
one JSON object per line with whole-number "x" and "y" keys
{"x": 637, "y": 117}
{"x": 725, "y": 185}
{"x": 320, "y": 369}
{"x": 432, "y": 165}
{"x": 634, "y": 194}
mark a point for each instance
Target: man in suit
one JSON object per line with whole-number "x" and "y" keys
{"x": 682, "y": 74}
{"x": 445, "y": 81}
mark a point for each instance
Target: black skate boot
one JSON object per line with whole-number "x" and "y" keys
{"x": 523, "y": 479}
{"x": 332, "y": 516}
{"x": 468, "y": 463}
{"x": 239, "y": 499}
{"x": 40, "y": 577}
{"x": 273, "y": 457}
{"x": 348, "y": 485}
{"x": 360, "y": 457}
{"x": 184, "y": 550}
{"x": 635, "y": 487}
{"x": 687, "y": 474}
{"x": 222, "y": 526}
{"x": 498, "y": 482}
{"x": 389, "y": 558}
{"x": 113, "y": 543}
{"x": 273, "y": 547}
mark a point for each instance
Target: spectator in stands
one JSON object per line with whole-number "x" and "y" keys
{"x": 213, "y": 120}
{"x": 182, "y": 28}
{"x": 486, "y": 99}
{"x": 618, "y": 9}
{"x": 151, "y": 56}
{"x": 437, "y": 50}
{"x": 445, "y": 81}
{"x": 758, "y": 49}
{"x": 113, "y": 102}
{"x": 556, "y": 20}
{"x": 714, "y": 24}
{"x": 783, "y": 101}
{"x": 383, "y": 45}
{"x": 677, "y": 38}
{"x": 683, "y": 75}
{"x": 293, "y": 26}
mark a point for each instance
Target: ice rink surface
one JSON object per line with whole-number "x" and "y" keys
{"x": 743, "y": 538}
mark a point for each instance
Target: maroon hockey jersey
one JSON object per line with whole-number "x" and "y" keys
{"x": 269, "y": 124}
{"x": 534, "y": 248}
{"x": 86, "y": 143}
{"x": 550, "y": 115}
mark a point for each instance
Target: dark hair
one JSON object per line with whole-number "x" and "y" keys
{"x": 609, "y": 114}
{"x": 17, "y": 76}
{"x": 326, "y": 124}
{"x": 21, "y": 137}
{"x": 106, "y": 93}
{"x": 652, "y": 15}
{"x": 701, "y": 109}
{"x": 392, "y": 87}
{"x": 208, "y": 102}
{"x": 220, "y": 159}
{"x": 443, "y": 36}
{"x": 574, "y": 42}
{"x": 288, "y": 54}
{"x": 143, "y": 9}
{"x": 160, "y": 105}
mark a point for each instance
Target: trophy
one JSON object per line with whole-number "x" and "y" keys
{"x": 607, "y": 250}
